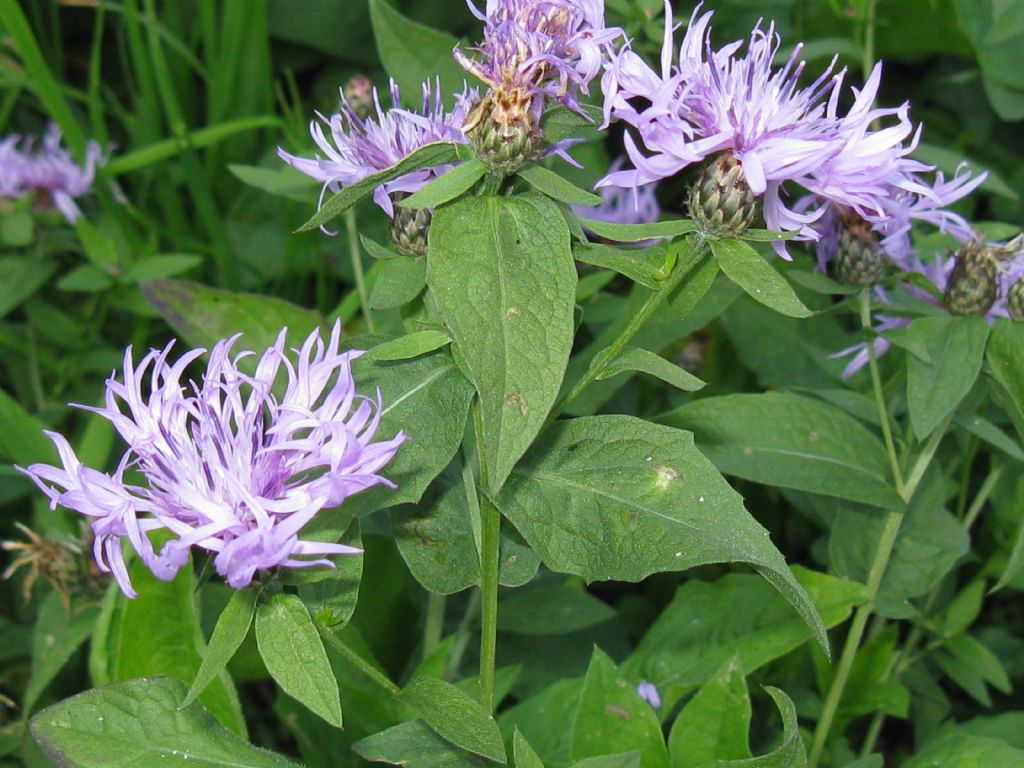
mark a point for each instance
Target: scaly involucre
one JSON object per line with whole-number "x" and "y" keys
{"x": 230, "y": 467}
{"x": 358, "y": 147}
{"x": 541, "y": 48}
{"x": 707, "y": 102}
{"x": 49, "y": 171}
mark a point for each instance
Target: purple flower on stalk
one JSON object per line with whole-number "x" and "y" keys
{"x": 745, "y": 113}
{"x": 48, "y": 171}
{"x": 358, "y": 147}
{"x": 231, "y": 467}
{"x": 540, "y": 48}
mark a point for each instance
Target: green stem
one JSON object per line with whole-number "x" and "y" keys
{"x": 492, "y": 183}
{"x": 869, "y": 39}
{"x": 883, "y": 553}
{"x": 357, "y": 267}
{"x": 434, "y": 628}
{"x": 343, "y": 649}
{"x": 490, "y": 542}
{"x": 876, "y": 385}
{"x": 607, "y": 356}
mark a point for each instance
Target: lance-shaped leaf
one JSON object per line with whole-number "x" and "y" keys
{"x": 635, "y": 233}
{"x": 618, "y": 498}
{"x": 557, "y": 187}
{"x": 502, "y": 274}
{"x": 757, "y": 277}
{"x": 456, "y": 715}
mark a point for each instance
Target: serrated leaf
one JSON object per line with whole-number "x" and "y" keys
{"x": 635, "y": 233}
{"x": 399, "y": 281}
{"x": 745, "y": 267}
{"x": 783, "y": 439}
{"x": 295, "y": 657}
{"x": 447, "y": 187}
{"x": 502, "y": 274}
{"x": 956, "y": 347}
{"x": 141, "y": 723}
{"x": 612, "y": 718}
{"x": 228, "y": 634}
{"x": 643, "y": 361}
{"x": 456, "y": 716}
{"x": 427, "y": 156}
{"x": 615, "y": 497}
{"x": 714, "y": 724}
{"x": 557, "y": 187}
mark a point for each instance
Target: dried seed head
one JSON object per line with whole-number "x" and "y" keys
{"x": 721, "y": 202}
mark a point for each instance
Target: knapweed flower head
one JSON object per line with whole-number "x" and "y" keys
{"x": 47, "y": 171}
{"x": 356, "y": 147}
{"x": 706, "y": 105}
{"x": 229, "y": 466}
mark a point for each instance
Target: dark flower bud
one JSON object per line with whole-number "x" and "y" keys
{"x": 720, "y": 201}
{"x": 1015, "y": 301}
{"x": 358, "y": 93}
{"x": 974, "y": 283}
{"x": 859, "y": 257}
{"x": 409, "y": 228}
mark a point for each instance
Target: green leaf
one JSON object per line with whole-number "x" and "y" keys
{"x": 523, "y": 753}
{"x": 791, "y": 753}
{"x": 412, "y": 345}
{"x": 282, "y": 180}
{"x": 58, "y": 633}
{"x": 378, "y": 251}
{"x": 21, "y": 434}
{"x": 456, "y": 716}
{"x": 766, "y": 236}
{"x": 552, "y": 609}
{"x": 295, "y": 655}
{"x": 643, "y": 361}
{"x": 955, "y": 750}
{"x": 971, "y": 665}
{"x": 707, "y": 623}
{"x": 561, "y": 122}
{"x": 557, "y": 187}
{"x": 160, "y": 266}
{"x": 20, "y": 278}
{"x": 956, "y": 346}
{"x": 1015, "y": 561}
{"x": 87, "y": 278}
{"x": 17, "y": 229}
{"x": 203, "y": 315}
{"x": 502, "y": 274}
{"x": 142, "y": 723}
{"x": 228, "y": 634}
{"x": 615, "y": 497}
{"x": 414, "y": 745}
{"x": 714, "y": 724}
{"x": 412, "y": 52}
{"x": 427, "y": 156}
{"x": 447, "y": 187}
{"x": 331, "y": 594}
{"x": 985, "y": 430}
{"x": 1006, "y": 361}
{"x": 641, "y": 265}
{"x": 158, "y": 633}
{"x": 622, "y": 760}
{"x": 613, "y": 718}
{"x": 399, "y": 281}
{"x": 635, "y": 233}
{"x": 783, "y": 439}
{"x": 819, "y": 283}
{"x": 745, "y": 267}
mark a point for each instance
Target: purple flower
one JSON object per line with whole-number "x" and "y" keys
{"x": 540, "y": 48}
{"x": 649, "y": 693}
{"x": 231, "y": 467}
{"x": 358, "y": 147}
{"x": 712, "y": 102}
{"x": 49, "y": 171}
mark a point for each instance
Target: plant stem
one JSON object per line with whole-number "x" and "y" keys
{"x": 350, "y": 655}
{"x": 607, "y": 356}
{"x": 357, "y": 267}
{"x": 489, "y": 599}
{"x": 883, "y": 553}
{"x": 876, "y": 385}
{"x": 434, "y": 628}
{"x": 869, "y": 39}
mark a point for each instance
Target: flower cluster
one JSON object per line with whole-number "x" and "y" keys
{"x": 755, "y": 129}
{"x": 361, "y": 145}
{"x": 48, "y": 172}
{"x": 231, "y": 467}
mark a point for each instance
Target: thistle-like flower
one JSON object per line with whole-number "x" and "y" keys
{"x": 358, "y": 146}
{"x": 48, "y": 172}
{"x": 711, "y": 105}
{"x": 533, "y": 51}
{"x": 231, "y": 468}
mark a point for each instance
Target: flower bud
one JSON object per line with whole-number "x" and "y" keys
{"x": 409, "y": 228}
{"x": 721, "y": 202}
{"x": 504, "y": 131}
{"x": 1015, "y": 301}
{"x": 358, "y": 93}
{"x": 974, "y": 283}
{"x": 859, "y": 257}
